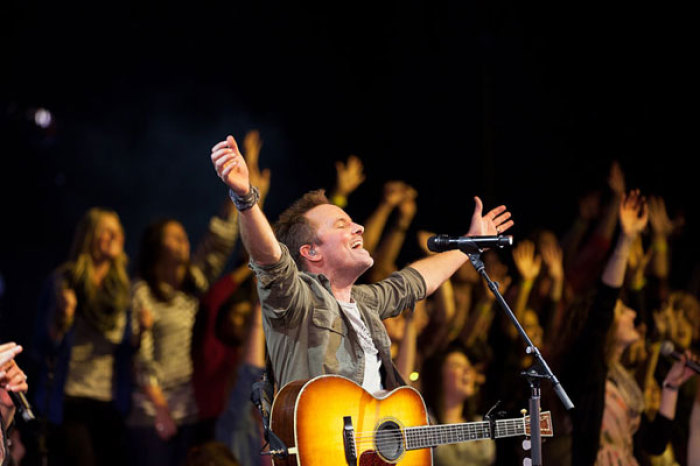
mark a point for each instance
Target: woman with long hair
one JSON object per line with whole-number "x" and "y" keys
{"x": 608, "y": 423}
{"x": 163, "y": 419}
{"x": 83, "y": 333}
{"x": 451, "y": 383}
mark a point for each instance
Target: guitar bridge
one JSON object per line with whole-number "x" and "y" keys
{"x": 349, "y": 441}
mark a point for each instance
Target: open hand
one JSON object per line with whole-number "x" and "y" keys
{"x": 349, "y": 175}
{"x": 528, "y": 264}
{"x": 634, "y": 213}
{"x": 495, "y": 222}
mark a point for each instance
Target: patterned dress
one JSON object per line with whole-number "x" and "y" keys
{"x": 621, "y": 418}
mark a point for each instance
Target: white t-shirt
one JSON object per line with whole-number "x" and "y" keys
{"x": 372, "y": 381}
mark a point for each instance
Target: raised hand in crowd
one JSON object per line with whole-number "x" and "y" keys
{"x": 252, "y": 144}
{"x": 444, "y": 321}
{"x": 390, "y": 246}
{"x": 634, "y": 215}
{"x": 394, "y": 193}
{"x": 483, "y": 313}
{"x": 584, "y": 266}
{"x": 616, "y": 183}
{"x": 349, "y": 176}
{"x": 498, "y": 271}
{"x": 526, "y": 261}
{"x": 529, "y": 265}
{"x": 588, "y": 211}
{"x": 553, "y": 258}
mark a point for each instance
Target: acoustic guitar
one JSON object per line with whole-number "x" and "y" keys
{"x": 330, "y": 420}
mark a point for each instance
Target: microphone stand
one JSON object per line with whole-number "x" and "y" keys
{"x": 539, "y": 370}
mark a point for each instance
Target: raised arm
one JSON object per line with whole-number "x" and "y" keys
{"x": 258, "y": 178}
{"x": 256, "y": 232}
{"x": 616, "y": 183}
{"x": 633, "y": 215}
{"x": 389, "y": 248}
{"x": 394, "y": 192}
{"x": 529, "y": 265}
{"x": 438, "y": 268}
{"x": 661, "y": 227}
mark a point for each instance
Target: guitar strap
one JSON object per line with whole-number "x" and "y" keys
{"x": 263, "y": 392}
{"x": 262, "y": 395}
{"x": 269, "y": 375}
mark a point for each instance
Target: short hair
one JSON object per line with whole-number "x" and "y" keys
{"x": 293, "y": 229}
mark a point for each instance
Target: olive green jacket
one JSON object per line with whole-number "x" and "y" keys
{"x": 308, "y": 334}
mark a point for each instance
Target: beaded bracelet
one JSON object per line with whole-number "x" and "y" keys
{"x": 245, "y": 202}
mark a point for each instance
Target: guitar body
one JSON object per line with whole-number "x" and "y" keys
{"x": 309, "y": 416}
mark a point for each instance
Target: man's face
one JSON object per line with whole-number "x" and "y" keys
{"x": 340, "y": 247}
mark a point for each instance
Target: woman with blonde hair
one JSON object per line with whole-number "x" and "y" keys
{"x": 83, "y": 336}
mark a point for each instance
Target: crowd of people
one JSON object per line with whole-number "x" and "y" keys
{"x": 155, "y": 366}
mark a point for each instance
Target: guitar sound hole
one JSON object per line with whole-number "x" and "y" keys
{"x": 389, "y": 441}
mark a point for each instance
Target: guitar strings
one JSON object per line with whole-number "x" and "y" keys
{"x": 383, "y": 437}
{"x": 420, "y": 429}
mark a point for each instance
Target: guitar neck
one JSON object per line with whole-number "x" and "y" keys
{"x": 432, "y": 436}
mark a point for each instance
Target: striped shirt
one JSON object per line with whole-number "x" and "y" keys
{"x": 164, "y": 357}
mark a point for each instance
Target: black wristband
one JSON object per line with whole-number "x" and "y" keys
{"x": 245, "y": 202}
{"x": 670, "y": 386}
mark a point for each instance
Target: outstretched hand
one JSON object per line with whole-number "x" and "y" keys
{"x": 349, "y": 175}
{"x": 495, "y": 222}
{"x": 661, "y": 224}
{"x": 634, "y": 213}
{"x": 395, "y": 192}
{"x": 230, "y": 166}
{"x": 527, "y": 263}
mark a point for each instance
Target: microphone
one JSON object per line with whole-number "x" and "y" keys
{"x": 667, "y": 350}
{"x": 22, "y": 405}
{"x": 467, "y": 244}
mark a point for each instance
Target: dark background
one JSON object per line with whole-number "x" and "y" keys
{"x": 522, "y": 103}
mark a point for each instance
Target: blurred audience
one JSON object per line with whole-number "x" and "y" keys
{"x": 83, "y": 344}
{"x": 600, "y": 309}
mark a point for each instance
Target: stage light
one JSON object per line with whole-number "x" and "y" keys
{"x": 43, "y": 118}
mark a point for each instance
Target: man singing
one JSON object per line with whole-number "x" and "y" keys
{"x": 316, "y": 320}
